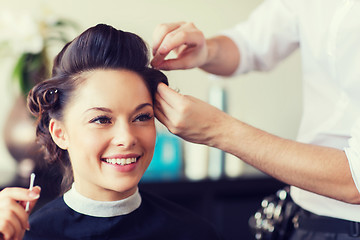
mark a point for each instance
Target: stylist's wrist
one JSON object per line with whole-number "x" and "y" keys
{"x": 219, "y": 130}
{"x": 211, "y": 48}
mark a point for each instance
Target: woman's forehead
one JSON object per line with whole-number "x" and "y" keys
{"x": 112, "y": 87}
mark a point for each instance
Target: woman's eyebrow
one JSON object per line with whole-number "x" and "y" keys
{"x": 104, "y": 109}
{"x": 143, "y": 105}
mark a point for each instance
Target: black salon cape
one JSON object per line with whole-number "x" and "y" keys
{"x": 156, "y": 218}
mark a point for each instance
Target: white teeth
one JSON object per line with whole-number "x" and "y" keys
{"x": 120, "y": 161}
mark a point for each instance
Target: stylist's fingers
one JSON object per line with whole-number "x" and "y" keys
{"x": 187, "y": 41}
{"x": 165, "y": 107}
{"x": 7, "y": 231}
{"x": 160, "y": 33}
{"x": 161, "y": 109}
{"x": 12, "y": 225}
{"x": 185, "y": 34}
{"x": 35, "y": 194}
{"x": 168, "y": 95}
{"x": 12, "y": 204}
{"x": 20, "y": 194}
{"x": 159, "y": 114}
{"x": 171, "y": 108}
{"x": 184, "y": 62}
{"x": 13, "y": 217}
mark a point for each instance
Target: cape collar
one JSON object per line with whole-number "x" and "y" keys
{"x": 94, "y": 208}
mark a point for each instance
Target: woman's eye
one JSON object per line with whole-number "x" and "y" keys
{"x": 143, "y": 117}
{"x": 101, "y": 120}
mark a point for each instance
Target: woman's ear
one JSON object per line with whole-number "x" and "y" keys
{"x": 58, "y": 133}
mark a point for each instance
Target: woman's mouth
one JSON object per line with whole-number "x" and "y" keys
{"x": 120, "y": 161}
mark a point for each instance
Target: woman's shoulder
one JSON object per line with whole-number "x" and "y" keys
{"x": 176, "y": 218}
{"x": 49, "y": 210}
{"x": 45, "y": 221}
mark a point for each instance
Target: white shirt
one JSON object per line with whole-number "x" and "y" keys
{"x": 328, "y": 33}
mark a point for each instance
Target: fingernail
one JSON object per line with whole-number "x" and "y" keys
{"x": 27, "y": 226}
{"x": 34, "y": 195}
{"x": 163, "y": 48}
{"x": 159, "y": 86}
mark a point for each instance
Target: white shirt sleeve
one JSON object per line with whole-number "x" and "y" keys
{"x": 268, "y": 36}
{"x": 353, "y": 153}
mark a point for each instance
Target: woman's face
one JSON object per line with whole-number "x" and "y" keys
{"x": 109, "y": 132}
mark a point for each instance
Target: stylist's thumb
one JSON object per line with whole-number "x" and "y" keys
{"x": 34, "y": 194}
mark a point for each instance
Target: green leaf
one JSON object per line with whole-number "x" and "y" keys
{"x": 17, "y": 74}
{"x": 67, "y": 23}
{"x": 30, "y": 69}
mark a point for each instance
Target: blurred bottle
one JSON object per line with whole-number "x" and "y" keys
{"x": 196, "y": 161}
{"x": 217, "y": 98}
{"x": 167, "y": 162}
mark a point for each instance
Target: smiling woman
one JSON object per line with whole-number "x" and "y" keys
{"x": 96, "y": 117}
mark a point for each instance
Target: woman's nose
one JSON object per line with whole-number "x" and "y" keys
{"x": 124, "y": 136}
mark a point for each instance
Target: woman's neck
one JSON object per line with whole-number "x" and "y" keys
{"x": 99, "y": 193}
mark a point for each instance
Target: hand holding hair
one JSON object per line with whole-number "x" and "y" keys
{"x": 188, "y": 117}
{"x": 185, "y": 40}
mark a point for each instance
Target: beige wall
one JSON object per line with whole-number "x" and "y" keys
{"x": 270, "y": 101}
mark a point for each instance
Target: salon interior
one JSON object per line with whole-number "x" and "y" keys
{"x": 209, "y": 182}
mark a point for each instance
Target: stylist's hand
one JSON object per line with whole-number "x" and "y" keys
{"x": 187, "y": 42}
{"x": 188, "y": 117}
{"x": 13, "y": 217}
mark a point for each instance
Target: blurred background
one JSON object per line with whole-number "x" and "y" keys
{"x": 270, "y": 101}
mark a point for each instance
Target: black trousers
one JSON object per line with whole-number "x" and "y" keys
{"x": 300, "y": 234}
{"x": 314, "y": 227}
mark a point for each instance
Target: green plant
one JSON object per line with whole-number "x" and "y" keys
{"x": 27, "y": 39}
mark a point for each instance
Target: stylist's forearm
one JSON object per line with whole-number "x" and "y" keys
{"x": 223, "y": 56}
{"x": 302, "y": 165}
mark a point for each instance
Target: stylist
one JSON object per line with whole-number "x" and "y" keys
{"x": 323, "y": 165}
